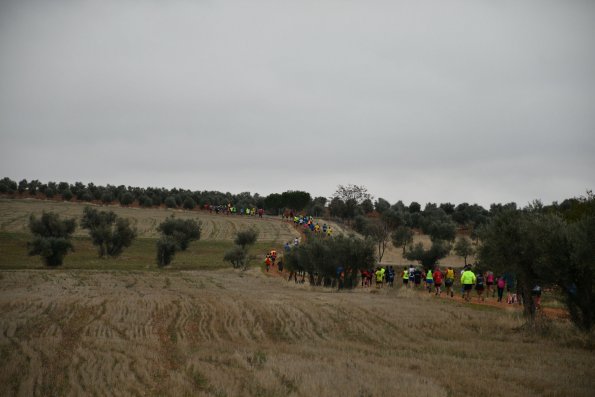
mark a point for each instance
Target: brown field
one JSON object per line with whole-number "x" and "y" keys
{"x": 224, "y": 333}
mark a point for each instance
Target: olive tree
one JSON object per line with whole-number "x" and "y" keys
{"x": 428, "y": 258}
{"x": 239, "y": 256}
{"x": 110, "y": 233}
{"x": 464, "y": 248}
{"x": 176, "y": 235}
{"x": 402, "y": 237}
{"x": 51, "y": 237}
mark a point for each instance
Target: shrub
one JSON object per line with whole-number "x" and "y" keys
{"x": 145, "y": 201}
{"x": 107, "y": 197}
{"x": 428, "y": 258}
{"x": 7, "y": 185}
{"x": 51, "y": 237}
{"x": 108, "y": 232}
{"x": 246, "y": 238}
{"x": 182, "y": 230}
{"x": 189, "y": 203}
{"x": 170, "y": 202}
{"x": 176, "y": 234}
{"x": 126, "y": 198}
{"x": 166, "y": 249}
{"x": 237, "y": 256}
{"x": 67, "y": 195}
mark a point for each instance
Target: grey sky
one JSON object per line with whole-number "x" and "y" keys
{"x": 477, "y": 101}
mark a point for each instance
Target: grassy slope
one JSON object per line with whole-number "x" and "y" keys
{"x": 217, "y": 237}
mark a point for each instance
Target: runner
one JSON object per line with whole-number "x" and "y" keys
{"x": 501, "y": 283}
{"x": 437, "y": 281}
{"x": 411, "y": 276}
{"x": 429, "y": 280}
{"x": 379, "y": 277}
{"x": 417, "y": 277}
{"x": 479, "y": 286}
{"x": 405, "y": 277}
{"x": 267, "y": 262}
{"x": 390, "y": 276}
{"x": 489, "y": 278}
{"x": 536, "y": 295}
{"x": 467, "y": 282}
{"x": 449, "y": 281}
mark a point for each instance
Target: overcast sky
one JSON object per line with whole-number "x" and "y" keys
{"x": 441, "y": 101}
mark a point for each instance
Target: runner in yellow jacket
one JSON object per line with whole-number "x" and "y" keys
{"x": 467, "y": 281}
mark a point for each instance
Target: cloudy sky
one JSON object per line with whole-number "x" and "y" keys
{"x": 460, "y": 101}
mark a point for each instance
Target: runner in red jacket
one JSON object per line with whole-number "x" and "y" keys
{"x": 438, "y": 276}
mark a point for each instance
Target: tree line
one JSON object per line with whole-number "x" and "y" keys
{"x": 149, "y": 197}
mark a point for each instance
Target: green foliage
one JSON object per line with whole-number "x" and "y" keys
{"x": 126, "y": 198}
{"x": 579, "y": 278}
{"x": 531, "y": 245}
{"x": 22, "y": 187}
{"x": 108, "y": 232}
{"x": 337, "y": 208}
{"x": 402, "y": 237}
{"x": 381, "y": 205}
{"x": 273, "y": 202}
{"x": 170, "y": 202}
{"x": 367, "y": 206}
{"x": 414, "y": 207}
{"x": 296, "y": 200}
{"x": 107, "y": 197}
{"x": 189, "y": 203}
{"x": 323, "y": 257}
{"x": 33, "y": 187}
{"x": 166, "y": 249}
{"x": 428, "y": 258}
{"x": 183, "y": 231}
{"x": 176, "y": 234}
{"x": 380, "y": 230}
{"x": 67, "y": 195}
{"x": 7, "y": 185}
{"x": 437, "y": 224}
{"x": 360, "y": 224}
{"x": 245, "y": 238}
{"x": 145, "y": 201}
{"x": 50, "y": 192}
{"x": 238, "y": 255}
{"x": 464, "y": 248}
{"x": 51, "y": 237}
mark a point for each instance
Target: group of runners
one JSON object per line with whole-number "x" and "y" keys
{"x": 484, "y": 283}
{"x": 308, "y": 222}
{"x": 233, "y": 210}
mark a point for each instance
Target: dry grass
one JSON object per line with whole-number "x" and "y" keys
{"x": 222, "y": 333}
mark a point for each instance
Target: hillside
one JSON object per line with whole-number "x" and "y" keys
{"x": 14, "y": 215}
